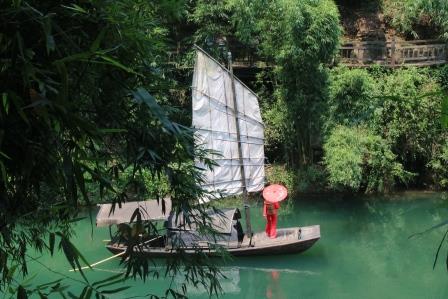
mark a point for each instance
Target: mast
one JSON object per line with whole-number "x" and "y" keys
{"x": 240, "y": 150}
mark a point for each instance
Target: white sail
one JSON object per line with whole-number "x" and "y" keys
{"x": 215, "y": 122}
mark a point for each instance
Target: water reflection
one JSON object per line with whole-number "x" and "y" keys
{"x": 273, "y": 289}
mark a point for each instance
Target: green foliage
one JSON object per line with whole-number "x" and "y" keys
{"x": 306, "y": 180}
{"x": 359, "y": 160}
{"x": 82, "y": 87}
{"x": 212, "y": 18}
{"x": 299, "y": 38}
{"x": 438, "y": 166}
{"x": 407, "y": 15}
{"x": 281, "y": 174}
{"x": 352, "y": 97}
{"x": 440, "y": 73}
{"x": 312, "y": 179}
{"x": 444, "y": 118}
{"x": 274, "y": 116}
{"x": 403, "y": 107}
{"x": 409, "y": 116}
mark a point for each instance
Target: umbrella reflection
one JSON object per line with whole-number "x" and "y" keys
{"x": 273, "y": 288}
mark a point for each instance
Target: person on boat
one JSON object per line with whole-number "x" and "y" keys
{"x": 272, "y": 195}
{"x": 270, "y": 212}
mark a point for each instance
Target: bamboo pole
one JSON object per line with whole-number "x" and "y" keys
{"x": 240, "y": 151}
{"x": 99, "y": 262}
{"x": 109, "y": 258}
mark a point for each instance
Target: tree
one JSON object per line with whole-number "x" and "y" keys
{"x": 403, "y": 107}
{"x": 300, "y": 38}
{"x": 358, "y": 160}
{"x": 78, "y": 84}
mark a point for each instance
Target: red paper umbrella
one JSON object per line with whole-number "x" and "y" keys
{"x": 275, "y": 193}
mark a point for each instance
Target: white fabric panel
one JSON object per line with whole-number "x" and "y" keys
{"x": 149, "y": 210}
{"x": 215, "y": 121}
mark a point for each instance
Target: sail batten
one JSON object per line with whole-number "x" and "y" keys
{"x": 215, "y": 118}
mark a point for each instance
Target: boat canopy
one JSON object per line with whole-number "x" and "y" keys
{"x": 221, "y": 221}
{"x": 149, "y": 210}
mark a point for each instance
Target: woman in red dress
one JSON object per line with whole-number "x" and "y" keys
{"x": 270, "y": 211}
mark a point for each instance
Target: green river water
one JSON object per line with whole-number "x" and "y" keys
{"x": 364, "y": 252}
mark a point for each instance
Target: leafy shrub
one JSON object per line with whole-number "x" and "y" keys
{"x": 439, "y": 168}
{"x": 275, "y": 121}
{"x": 407, "y": 15}
{"x": 360, "y": 160}
{"x": 403, "y": 107}
{"x": 409, "y": 115}
{"x": 311, "y": 179}
{"x": 352, "y": 97}
{"x": 280, "y": 174}
{"x": 441, "y": 75}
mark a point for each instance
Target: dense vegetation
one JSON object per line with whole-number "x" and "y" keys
{"x": 79, "y": 84}
{"x": 93, "y": 107}
{"x": 413, "y": 16}
{"x": 397, "y": 110}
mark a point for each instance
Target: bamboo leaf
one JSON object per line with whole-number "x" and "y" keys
{"x": 41, "y": 295}
{"x": 4, "y": 175}
{"x": 76, "y": 8}
{"x": 111, "y": 283}
{"x": 76, "y": 219}
{"x": 143, "y": 96}
{"x": 52, "y": 239}
{"x": 73, "y": 296}
{"x": 429, "y": 229}
{"x": 54, "y": 283}
{"x": 106, "y": 131}
{"x": 108, "y": 279}
{"x": 444, "y": 118}
{"x": 96, "y": 43}
{"x": 117, "y": 64}
{"x": 62, "y": 70}
{"x": 438, "y": 249}
{"x": 37, "y": 103}
{"x": 12, "y": 270}
{"x": 5, "y": 102}
{"x": 80, "y": 181}
{"x": 21, "y": 293}
{"x": 16, "y": 101}
{"x": 88, "y": 294}
{"x": 75, "y": 57}
{"x": 50, "y": 43}
{"x": 83, "y": 293}
{"x": 115, "y": 290}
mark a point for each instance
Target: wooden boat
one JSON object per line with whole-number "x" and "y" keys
{"x": 227, "y": 121}
{"x": 288, "y": 241}
{"x": 230, "y": 236}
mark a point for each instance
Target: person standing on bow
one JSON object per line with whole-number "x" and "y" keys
{"x": 272, "y": 196}
{"x": 270, "y": 212}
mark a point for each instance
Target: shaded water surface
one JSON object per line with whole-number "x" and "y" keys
{"x": 364, "y": 252}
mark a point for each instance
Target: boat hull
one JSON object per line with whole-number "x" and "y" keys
{"x": 288, "y": 241}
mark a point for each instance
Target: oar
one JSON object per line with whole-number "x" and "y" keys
{"x": 100, "y": 262}
{"x": 109, "y": 258}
